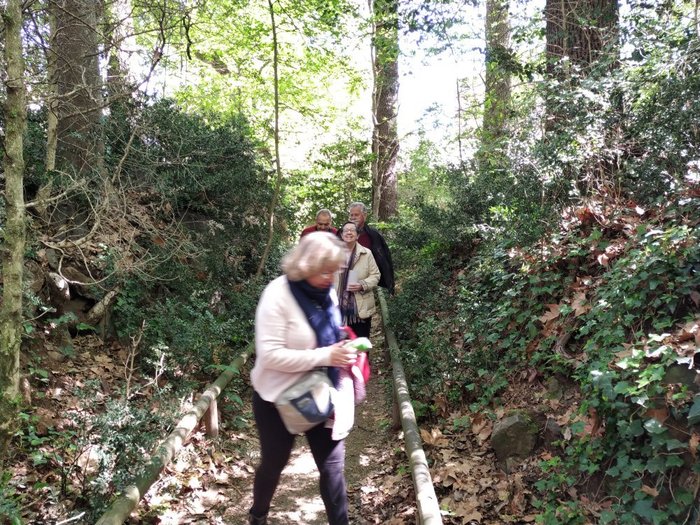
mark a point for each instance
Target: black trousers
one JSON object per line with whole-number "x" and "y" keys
{"x": 275, "y": 448}
{"x": 362, "y": 327}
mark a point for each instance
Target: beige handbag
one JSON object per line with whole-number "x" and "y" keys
{"x": 307, "y": 402}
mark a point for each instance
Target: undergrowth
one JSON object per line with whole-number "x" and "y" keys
{"x": 609, "y": 301}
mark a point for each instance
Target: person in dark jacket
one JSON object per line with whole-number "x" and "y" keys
{"x": 370, "y": 238}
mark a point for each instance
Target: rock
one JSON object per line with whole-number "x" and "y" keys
{"x": 82, "y": 283}
{"x": 514, "y": 436}
{"x": 52, "y": 258}
{"x": 60, "y": 291}
{"x": 34, "y": 275}
{"x": 681, "y": 374}
{"x": 551, "y": 433}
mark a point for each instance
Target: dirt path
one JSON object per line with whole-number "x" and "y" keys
{"x": 221, "y": 492}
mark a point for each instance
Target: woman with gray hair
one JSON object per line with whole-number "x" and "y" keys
{"x": 297, "y": 329}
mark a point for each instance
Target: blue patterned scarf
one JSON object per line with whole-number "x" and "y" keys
{"x": 322, "y": 314}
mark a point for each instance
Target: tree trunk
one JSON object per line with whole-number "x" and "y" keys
{"x": 44, "y": 192}
{"x": 14, "y": 228}
{"x": 121, "y": 47}
{"x": 278, "y": 178}
{"x": 78, "y": 85}
{"x": 582, "y": 40}
{"x": 579, "y": 34}
{"x": 385, "y": 142}
{"x": 497, "y": 92}
{"x": 497, "y": 77}
{"x": 52, "y": 117}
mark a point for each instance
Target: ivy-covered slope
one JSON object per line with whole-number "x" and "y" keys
{"x": 609, "y": 305}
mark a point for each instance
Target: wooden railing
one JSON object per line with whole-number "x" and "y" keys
{"x": 426, "y": 500}
{"x": 206, "y": 407}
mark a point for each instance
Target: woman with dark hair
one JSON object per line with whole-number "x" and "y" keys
{"x": 297, "y": 329}
{"x": 356, "y": 283}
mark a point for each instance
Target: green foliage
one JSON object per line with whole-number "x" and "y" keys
{"x": 230, "y": 53}
{"x": 95, "y": 455}
{"x": 660, "y": 85}
{"x": 480, "y": 303}
{"x": 195, "y": 298}
{"x": 197, "y": 163}
{"x": 646, "y": 290}
{"x": 191, "y": 327}
{"x": 10, "y": 501}
{"x": 35, "y": 151}
{"x": 338, "y": 176}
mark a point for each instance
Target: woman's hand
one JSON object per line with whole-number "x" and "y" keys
{"x": 342, "y": 355}
{"x": 355, "y": 287}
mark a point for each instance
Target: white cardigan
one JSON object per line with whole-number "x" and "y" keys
{"x": 285, "y": 343}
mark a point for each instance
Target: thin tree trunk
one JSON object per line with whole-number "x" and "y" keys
{"x": 497, "y": 79}
{"x": 45, "y": 190}
{"x": 52, "y": 118}
{"x": 14, "y": 234}
{"x": 459, "y": 124}
{"x": 385, "y": 142}
{"x": 278, "y": 167}
{"x": 492, "y": 157}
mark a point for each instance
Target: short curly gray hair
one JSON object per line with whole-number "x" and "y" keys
{"x": 314, "y": 253}
{"x": 360, "y": 205}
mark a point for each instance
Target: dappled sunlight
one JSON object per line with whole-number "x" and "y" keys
{"x": 301, "y": 463}
{"x": 364, "y": 460}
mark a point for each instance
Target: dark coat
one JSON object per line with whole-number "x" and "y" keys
{"x": 382, "y": 256}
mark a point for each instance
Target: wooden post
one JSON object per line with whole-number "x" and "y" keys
{"x": 120, "y": 509}
{"x": 211, "y": 420}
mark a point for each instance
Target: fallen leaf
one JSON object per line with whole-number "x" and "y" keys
{"x": 478, "y": 422}
{"x": 434, "y": 437}
{"x": 660, "y": 414}
{"x": 693, "y": 443}
{"x": 553, "y": 313}
{"x": 651, "y": 491}
{"x": 579, "y": 304}
{"x": 695, "y": 296}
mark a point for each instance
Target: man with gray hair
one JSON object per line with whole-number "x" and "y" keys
{"x": 373, "y": 240}
{"x": 324, "y": 223}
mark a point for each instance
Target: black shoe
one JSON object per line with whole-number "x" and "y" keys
{"x": 253, "y": 520}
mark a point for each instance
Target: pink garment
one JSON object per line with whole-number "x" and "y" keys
{"x": 359, "y": 383}
{"x": 350, "y": 392}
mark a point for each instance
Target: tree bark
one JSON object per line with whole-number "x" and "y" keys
{"x": 52, "y": 117}
{"x": 582, "y": 40}
{"x": 497, "y": 77}
{"x": 579, "y": 34}
{"x": 385, "y": 142}
{"x": 78, "y": 85}
{"x": 14, "y": 228}
{"x": 120, "y": 44}
{"x": 278, "y": 167}
{"x": 497, "y": 92}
